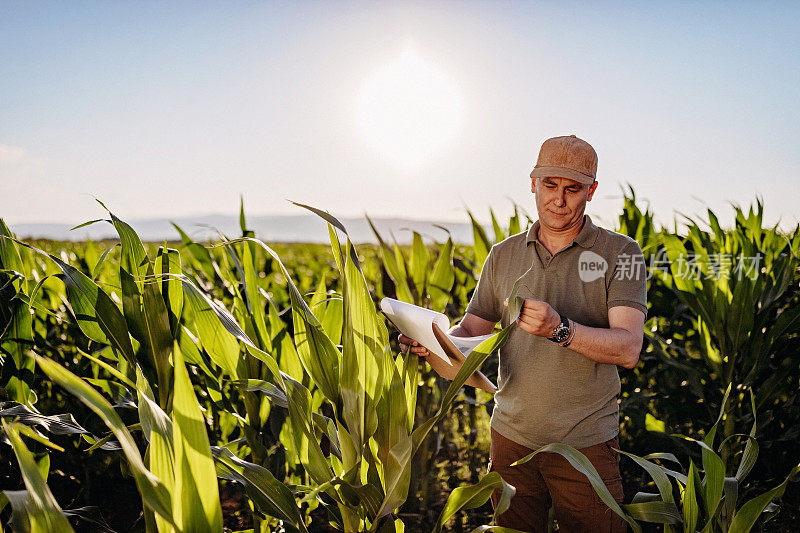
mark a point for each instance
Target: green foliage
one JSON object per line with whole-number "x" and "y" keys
{"x": 709, "y": 498}
{"x": 269, "y": 368}
{"x": 364, "y": 476}
{"x": 469, "y": 497}
{"x": 723, "y": 313}
{"x": 35, "y": 510}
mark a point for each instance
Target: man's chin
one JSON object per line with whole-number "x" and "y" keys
{"x": 557, "y": 221}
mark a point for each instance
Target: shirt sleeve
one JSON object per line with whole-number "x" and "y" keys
{"x": 628, "y": 283}
{"x": 484, "y": 302}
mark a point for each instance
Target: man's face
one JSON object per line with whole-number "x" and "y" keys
{"x": 561, "y": 202}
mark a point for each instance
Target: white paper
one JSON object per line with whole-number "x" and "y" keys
{"x": 416, "y": 322}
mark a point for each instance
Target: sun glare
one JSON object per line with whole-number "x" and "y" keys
{"x": 408, "y": 111}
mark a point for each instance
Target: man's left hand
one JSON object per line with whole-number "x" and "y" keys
{"x": 538, "y": 318}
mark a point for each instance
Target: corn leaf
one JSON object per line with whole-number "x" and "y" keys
{"x": 317, "y": 352}
{"x": 158, "y": 430}
{"x": 196, "y": 505}
{"x": 10, "y": 258}
{"x": 472, "y": 363}
{"x": 365, "y": 344}
{"x": 472, "y": 496}
{"x": 394, "y": 441}
{"x": 691, "y": 511}
{"x": 259, "y": 385}
{"x": 201, "y": 256}
{"x": 168, "y": 261}
{"x": 657, "y": 511}
{"x": 16, "y": 336}
{"x": 255, "y": 307}
{"x": 44, "y": 513}
{"x": 16, "y": 340}
{"x": 283, "y": 347}
{"x": 481, "y": 241}
{"x": 585, "y": 467}
{"x": 211, "y": 323}
{"x": 158, "y": 336}
{"x": 108, "y": 368}
{"x": 20, "y": 509}
{"x": 269, "y": 495}
{"x": 499, "y": 234}
{"x": 219, "y": 322}
{"x": 746, "y": 517}
{"x": 442, "y": 278}
{"x": 513, "y": 222}
{"x": 395, "y": 266}
{"x": 657, "y": 473}
{"x": 420, "y": 258}
{"x": 154, "y": 494}
{"x": 750, "y": 453}
{"x": 96, "y": 314}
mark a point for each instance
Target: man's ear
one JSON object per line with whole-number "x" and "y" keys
{"x": 592, "y": 188}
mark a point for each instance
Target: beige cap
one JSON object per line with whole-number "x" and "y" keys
{"x": 567, "y": 157}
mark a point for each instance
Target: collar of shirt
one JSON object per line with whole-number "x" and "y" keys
{"x": 586, "y": 238}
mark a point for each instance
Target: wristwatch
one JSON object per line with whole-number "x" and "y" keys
{"x": 561, "y": 331}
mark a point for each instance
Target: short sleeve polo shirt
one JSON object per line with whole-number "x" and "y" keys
{"x": 547, "y": 393}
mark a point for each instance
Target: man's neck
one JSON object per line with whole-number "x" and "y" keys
{"x": 557, "y": 240}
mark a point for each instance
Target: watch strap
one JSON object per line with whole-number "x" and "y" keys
{"x": 564, "y": 323}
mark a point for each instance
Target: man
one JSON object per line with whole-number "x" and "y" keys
{"x": 583, "y": 315}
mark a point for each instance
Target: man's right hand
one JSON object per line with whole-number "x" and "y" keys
{"x": 407, "y": 343}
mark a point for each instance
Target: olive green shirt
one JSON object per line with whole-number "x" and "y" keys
{"x": 547, "y": 393}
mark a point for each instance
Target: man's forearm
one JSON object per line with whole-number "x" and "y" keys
{"x": 460, "y": 331}
{"x": 619, "y": 344}
{"x": 614, "y": 346}
{"x": 449, "y": 372}
{"x": 477, "y": 380}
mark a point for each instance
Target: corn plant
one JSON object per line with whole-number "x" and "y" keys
{"x": 418, "y": 280}
{"x": 442, "y": 283}
{"x": 269, "y": 346}
{"x": 363, "y": 476}
{"x": 34, "y": 509}
{"x": 16, "y": 336}
{"x": 173, "y": 492}
{"x": 722, "y": 309}
{"x": 374, "y": 398}
{"x": 709, "y": 497}
{"x": 741, "y": 300}
{"x": 481, "y": 242}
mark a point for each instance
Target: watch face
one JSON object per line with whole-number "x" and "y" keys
{"x": 561, "y": 333}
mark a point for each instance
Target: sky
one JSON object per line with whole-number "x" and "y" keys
{"x": 411, "y": 109}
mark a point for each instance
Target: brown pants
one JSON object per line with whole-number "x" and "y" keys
{"x": 548, "y": 479}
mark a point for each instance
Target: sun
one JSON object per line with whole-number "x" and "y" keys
{"x": 408, "y": 111}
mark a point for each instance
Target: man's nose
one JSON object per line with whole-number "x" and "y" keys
{"x": 560, "y": 200}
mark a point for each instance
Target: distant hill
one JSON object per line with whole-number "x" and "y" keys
{"x": 288, "y": 228}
